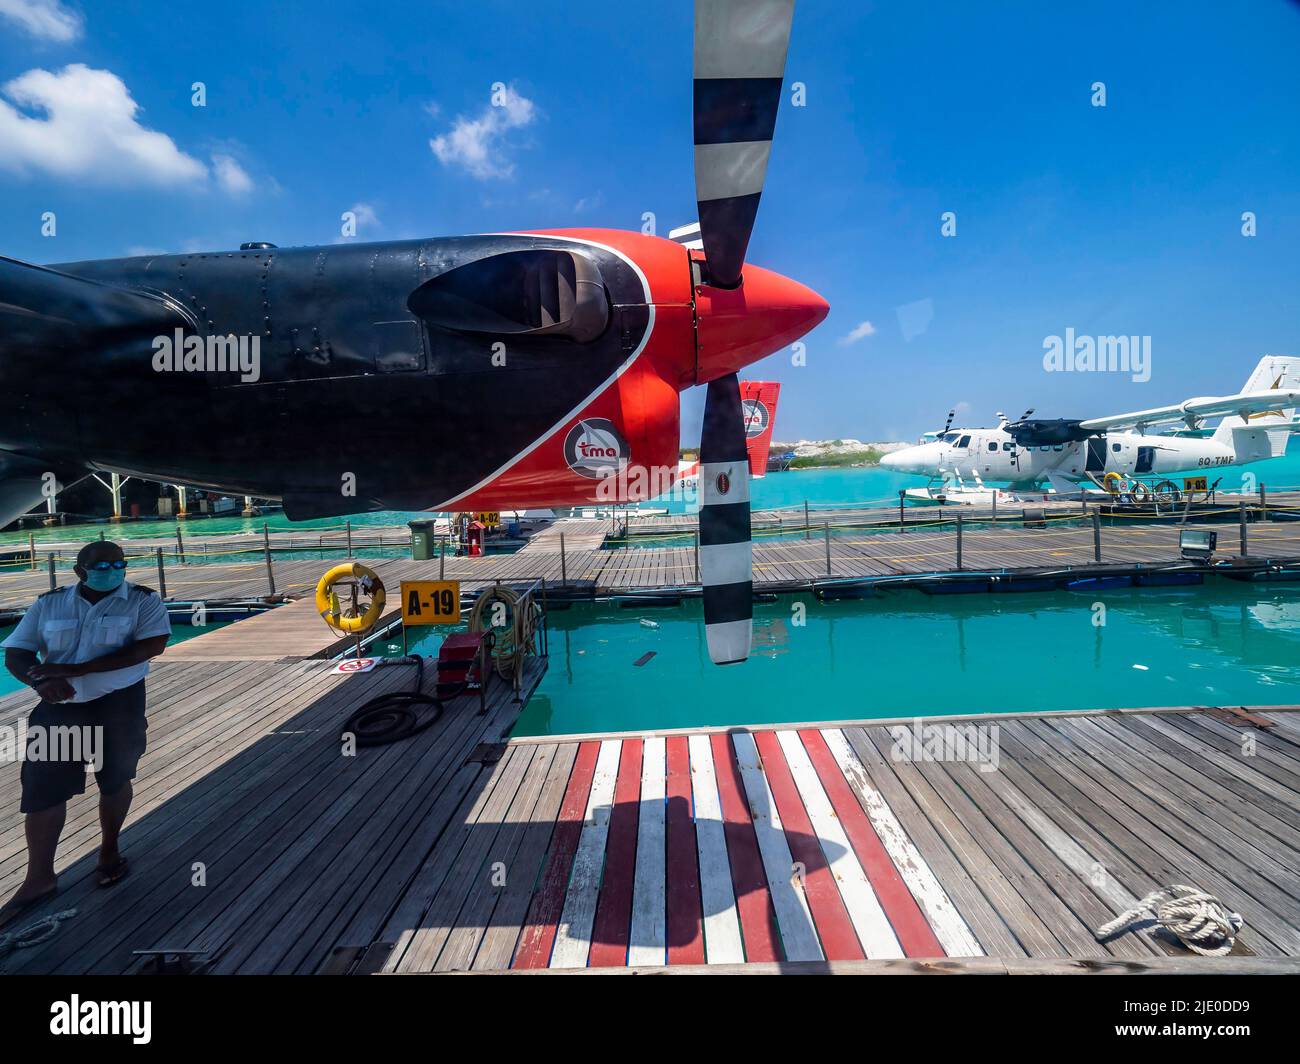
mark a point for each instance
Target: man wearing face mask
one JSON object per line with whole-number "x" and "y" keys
{"x": 95, "y": 639}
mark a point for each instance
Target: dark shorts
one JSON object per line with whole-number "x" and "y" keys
{"x": 110, "y": 730}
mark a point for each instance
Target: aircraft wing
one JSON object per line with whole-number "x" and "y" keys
{"x": 1194, "y": 411}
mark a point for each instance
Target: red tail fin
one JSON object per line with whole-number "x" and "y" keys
{"x": 758, "y": 401}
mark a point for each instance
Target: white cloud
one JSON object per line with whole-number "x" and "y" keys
{"x": 479, "y": 144}
{"x": 47, "y": 19}
{"x": 365, "y": 215}
{"x": 82, "y": 124}
{"x": 364, "y": 222}
{"x": 232, "y": 177}
{"x": 859, "y": 332}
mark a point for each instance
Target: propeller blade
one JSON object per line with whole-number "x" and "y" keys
{"x": 948, "y": 424}
{"x": 726, "y": 554}
{"x": 740, "y": 48}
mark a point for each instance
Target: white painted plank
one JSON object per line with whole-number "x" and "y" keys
{"x": 949, "y": 927}
{"x": 1076, "y": 858}
{"x": 793, "y": 917}
{"x": 869, "y": 920}
{"x": 722, "y": 943}
{"x": 573, "y": 936}
{"x": 649, "y": 932}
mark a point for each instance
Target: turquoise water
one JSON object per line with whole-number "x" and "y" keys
{"x": 898, "y": 655}
{"x": 907, "y": 654}
{"x": 180, "y": 633}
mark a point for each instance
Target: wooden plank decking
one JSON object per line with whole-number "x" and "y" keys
{"x": 787, "y": 563}
{"x": 779, "y": 564}
{"x": 254, "y": 838}
{"x": 891, "y": 858}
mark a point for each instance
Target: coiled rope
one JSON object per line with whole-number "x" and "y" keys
{"x": 516, "y": 637}
{"x": 1201, "y": 922}
{"x": 35, "y": 933}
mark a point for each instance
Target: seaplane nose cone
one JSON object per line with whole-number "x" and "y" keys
{"x": 891, "y": 461}
{"x": 741, "y": 325}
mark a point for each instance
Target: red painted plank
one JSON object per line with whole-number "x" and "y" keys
{"x": 538, "y": 934}
{"x": 685, "y": 909}
{"x": 753, "y": 900}
{"x": 910, "y": 925}
{"x": 609, "y": 935}
{"x": 831, "y": 917}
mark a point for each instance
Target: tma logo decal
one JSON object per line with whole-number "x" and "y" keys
{"x": 756, "y": 417}
{"x": 594, "y": 448}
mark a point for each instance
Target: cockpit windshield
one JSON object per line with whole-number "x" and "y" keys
{"x": 951, "y": 437}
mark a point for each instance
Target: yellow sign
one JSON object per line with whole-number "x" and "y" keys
{"x": 490, "y": 518}
{"x": 430, "y": 602}
{"x": 1196, "y": 484}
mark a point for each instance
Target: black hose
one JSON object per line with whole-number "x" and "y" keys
{"x": 391, "y": 717}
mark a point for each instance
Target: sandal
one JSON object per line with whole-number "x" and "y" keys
{"x": 107, "y": 875}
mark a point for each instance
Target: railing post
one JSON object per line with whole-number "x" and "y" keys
{"x": 807, "y": 528}
{"x": 1242, "y": 517}
{"x": 564, "y": 564}
{"x": 826, "y": 530}
{"x": 162, "y": 576}
{"x": 1263, "y": 503}
{"x": 1096, "y": 536}
{"x": 959, "y": 542}
{"x": 995, "y": 506}
{"x": 180, "y": 544}
{"x": 901, "y": 519}
{"x": 31, "y": 543}
{"x": 349, "y": 537}
{"x": 697, "y": 555}
{"x": 442, "y": 560}
{"x": 266, "y": 550}
{"x": 53, "y": 580}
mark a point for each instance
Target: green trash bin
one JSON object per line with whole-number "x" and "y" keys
{"x": 422, "y": 537}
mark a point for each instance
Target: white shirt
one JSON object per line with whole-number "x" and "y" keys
{"x": 66, "y": 629}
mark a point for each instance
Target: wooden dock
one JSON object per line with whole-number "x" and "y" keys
{"x": 254, "y": 839}
{"x": 253, "y": 836}
{"x": 1001, "y": 556}
{"x": 886, "y": 514}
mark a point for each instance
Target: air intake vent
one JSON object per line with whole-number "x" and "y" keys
{"x": 545, "y": 292}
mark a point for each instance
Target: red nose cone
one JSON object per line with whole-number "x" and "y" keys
{"x": 738, "y": 326}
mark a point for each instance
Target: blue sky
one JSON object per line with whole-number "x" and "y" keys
{"x": 1117, "y": 220}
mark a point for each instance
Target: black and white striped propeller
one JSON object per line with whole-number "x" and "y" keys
{"x": 740, "y": 50}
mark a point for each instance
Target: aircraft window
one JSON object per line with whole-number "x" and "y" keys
{"x": 1044, "y": 447}
{"x": 1115, "y": 447}
{"x": 950, "y": 437}
{"x": 544, "y": 292}
{"x": 1008, "y": 446}
{"x": 964, "y": 442}
{"x": 1058, "y": 447}
{"x": 993, "y": 445}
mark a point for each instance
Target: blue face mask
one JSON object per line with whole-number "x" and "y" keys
{"x": 105, "y": 579}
